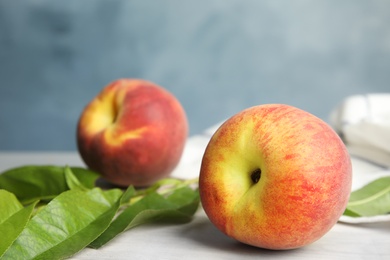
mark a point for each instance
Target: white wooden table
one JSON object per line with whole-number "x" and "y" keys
{"x": 199, "y": 239}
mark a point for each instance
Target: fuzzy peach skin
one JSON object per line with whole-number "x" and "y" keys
{"x": 276, "y": 177}
{"x": 133, "y": 132}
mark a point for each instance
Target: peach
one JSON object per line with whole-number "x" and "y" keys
{"x": 275, "y": 176}
{"x": 133, "y": 132}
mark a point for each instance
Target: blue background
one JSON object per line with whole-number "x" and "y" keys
{"x": 216, "y": 56}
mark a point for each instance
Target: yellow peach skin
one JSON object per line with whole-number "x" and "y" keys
{"x": 133, "y": 132}
{"x": 275, "y": 176}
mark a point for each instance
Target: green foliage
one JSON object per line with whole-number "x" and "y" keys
{"x": 177, "y": 207}
{"x": 13, "y": 219}
{"x": 42, "y": 182}
{"x": 371, "y": 200}
{"x": 75, "y": 213}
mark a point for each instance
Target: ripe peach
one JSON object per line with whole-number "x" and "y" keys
{"x": 275, "y": 176}
{"x": 133, "y": 132}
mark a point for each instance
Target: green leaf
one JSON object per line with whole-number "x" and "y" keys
{"x": 42, "y": 182}
{"x": 66, "y": 225}
{"x": 179, "y": 207}
{"x": 13, "y": 218}
{"x": 86, "y": 177}
{"x": 129, "y": 193}
{"x": 72, "y": 181}
{"x": 350, "y": 213}
{"x": 371, "y": 200}
{"x": 9, "y": 205}
{"x": 185, "y": 198}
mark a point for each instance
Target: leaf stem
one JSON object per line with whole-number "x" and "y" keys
{"x": 163, "y": 187}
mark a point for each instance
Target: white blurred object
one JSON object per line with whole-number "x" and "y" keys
{"x": 364, "y": 123}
